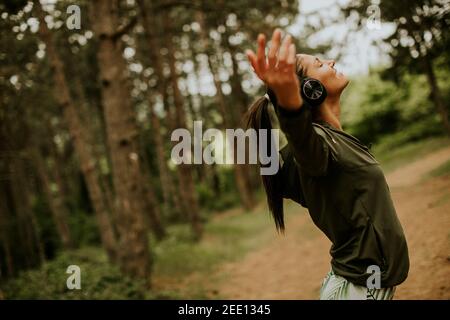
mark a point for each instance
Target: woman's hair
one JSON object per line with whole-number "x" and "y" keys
{"x": 257, "y": 117}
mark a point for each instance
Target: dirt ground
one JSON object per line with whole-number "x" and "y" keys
{"x": 293, "y": 266}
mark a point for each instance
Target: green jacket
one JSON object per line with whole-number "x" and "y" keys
{"x": 334, "y": 175}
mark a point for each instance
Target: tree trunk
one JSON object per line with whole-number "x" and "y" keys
{"x": 84, "y": 153}
{"x": 230, "y": 121}
{"x": 122, "y": 133}
{"x": 57, "y": 207}
{"x": 441, "y": 108}
{"x": 99, "y": 147}
{"x": 4, "y": 239}
{"x": 152, "y": 208}
{"x": 251, "y": 177}
{"x": 167, "y": 186}
{"x": 187, "y": 187}
{"x": 210, "y": 170}
{"x": 27, "y": 223}
{"x": 166, "y": 183}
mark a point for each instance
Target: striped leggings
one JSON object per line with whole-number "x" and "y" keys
{"x": 335, "y": 287}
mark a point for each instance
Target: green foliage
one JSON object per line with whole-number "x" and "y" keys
{"x": 227, "y": 196}
{"x": 226, "y": 239}
{"x": 392, "y": 154}
{"x": 48, "y": 234}
{"x": 84, "y": 228}
{"x": 421, "y": 129}
{"x": 375, "y": 109}
{"x": 99, "y": 279}
{"x": 420, "y": 31}
{"x": 442, "y": 170}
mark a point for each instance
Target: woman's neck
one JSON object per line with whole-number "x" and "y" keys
{"x": 330, "y": 112}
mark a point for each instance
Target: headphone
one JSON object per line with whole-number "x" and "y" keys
{"x": 312, "y": 91}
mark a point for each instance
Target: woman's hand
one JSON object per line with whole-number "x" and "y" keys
{"x": 278, "y": 71}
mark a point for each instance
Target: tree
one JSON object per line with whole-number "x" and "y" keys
{"x": 185, "y": 177}
{"x": 78, "y": 135}
{"x": 421, "y": 35}
{"x": 150, "y": 24}
{"x": 122, "y": 136}
{"x": 230, "y": 120}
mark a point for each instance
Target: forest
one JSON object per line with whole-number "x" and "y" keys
{"x": 91, "y": 91}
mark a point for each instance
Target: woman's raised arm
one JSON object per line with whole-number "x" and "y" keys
{"x": 277, "y": 71}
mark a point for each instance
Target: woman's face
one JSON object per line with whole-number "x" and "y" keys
{"x": 323, "y": 70}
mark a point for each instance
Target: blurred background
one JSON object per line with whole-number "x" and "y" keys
{"x": 91, "y": 91}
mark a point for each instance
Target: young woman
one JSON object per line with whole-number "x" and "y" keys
{"x": 330, "y": 172}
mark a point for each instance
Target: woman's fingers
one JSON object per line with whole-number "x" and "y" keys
{"x": 291, "y": 58}
{"x": 251, "y": 56}
{"x": 275, "y": 45}
{"x": 261, "y": 54}
{"x": 284, "y": 51}
{"x": 281, "y": 58}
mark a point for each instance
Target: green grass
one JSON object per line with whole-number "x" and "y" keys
{"x": 226, "y": 239}
{"x": 99, "y": 279}
{"x": 443, "y": 169}
{"x": 391, "y": 157}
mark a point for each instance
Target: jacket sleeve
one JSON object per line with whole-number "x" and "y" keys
{"x": 309, "y": 149}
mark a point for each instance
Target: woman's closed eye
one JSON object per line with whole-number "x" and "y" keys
{"x": 319, "y": 63}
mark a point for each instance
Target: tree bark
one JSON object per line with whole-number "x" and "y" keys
{"x": 122, "y": 133}
{"x": 28, "y": 226}
{"x": 80, "y": 140}
{"x": 167, "y": 185}
{"x": 441, "y": 108}
{"x": 210, "y": 170}
{"x": 187, "y": 187}
{"x": 4, "y": 239}
{"x": 251, "y": 173}
{"x": 56, "y": 202}
{"x": 99, "y": 147}
{"x": 230, "y": 121}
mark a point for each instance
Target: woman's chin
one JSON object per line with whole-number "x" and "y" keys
{"x": 343, "y": 78}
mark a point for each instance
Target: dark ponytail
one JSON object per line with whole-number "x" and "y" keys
{"x": 258, "y": 118}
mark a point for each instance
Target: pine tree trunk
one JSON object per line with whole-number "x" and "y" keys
{"x": 28, "y": 226}
{"x": 151, "y": 206}
{"x": 230, "y": 121}
{"x": 167, "y": 185}
{"x": 122, "y": 133}
{"x": 441, "y": 108}
{"x": 59, "y": 211}
{"x": 80, "y": 141}
{"x": 4, "y": 240}
{"x": 252, "y": 179}
{"x": 210, "y": 170}
{"x": 99, "y": 147}
{"x": 186, "y": 182}
{"x": 178, "y": 200}
{"x": 152, "y": 209}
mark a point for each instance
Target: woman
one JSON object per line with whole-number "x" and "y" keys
{"x": 331, "y": 173}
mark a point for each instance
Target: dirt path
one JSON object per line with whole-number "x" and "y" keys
{"x": 293, "y": 266}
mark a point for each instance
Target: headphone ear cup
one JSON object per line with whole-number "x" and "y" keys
{"x": 313, "y": 91}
